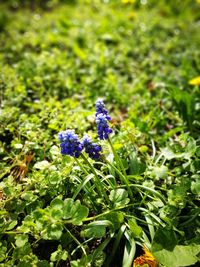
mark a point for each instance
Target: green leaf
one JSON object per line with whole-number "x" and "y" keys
{"x": 134, "y": 164}
{"x": 129, "y": 250}
{"x": 119, "y": 197}
{"x": 29, "y": 196}
{"x": 21, "y": 240}
{"x": 56, "y": 210}
{"x": 57, "y": 203}
{"x": 55, "y": 151}
{"x": 56, "y": 214}
{"x": 99, "y": 259}
{"x": 59, "y": 254}
{"x": 116, "y": 218}
{"x": 195, "y": 187}
{"x": 54, "y": 178}
{"x": 168, "y": 153}
{"x": 12, "y": 225}
{"x": 53, "y": 232}
{"x": 78, "y": 213}
{"x": 179, "y": 256}
{"x": 3, "y": 250}
{"x": 68, "y": 204}
{"x": 134, "y": 228}
{"x": 96, "y": 229}
{"x": 160, "y": 172}
{"x": 43, "y": 263}
{"x": 38, "y": 214}
{"x": 94, "y": 232}
{"x": 116, "y": 243}
{"x": 164, "y": 239}
{"x": 19, "y": 252}
{"x": 85, "y": 261}
{"x": 42, "y": 165}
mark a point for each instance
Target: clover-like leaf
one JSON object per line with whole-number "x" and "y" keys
{"x": 56, "y": 208}
{"x": 68, "y": 203}
{"x": 78, "y": 213}
{"x": 57, "y": 203}
{"x": 119, "y": 197}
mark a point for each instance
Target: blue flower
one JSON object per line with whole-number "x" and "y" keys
{"x": 102, "y": 126}
{"x": 101, "y": 109}
{"x": 70, "y": 143}
{"x": 92, "y": 149}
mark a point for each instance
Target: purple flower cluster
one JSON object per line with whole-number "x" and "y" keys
{"x": 92, "y": 149}
{"x": 102, "y": 119}
{"x": 70, "y": 143}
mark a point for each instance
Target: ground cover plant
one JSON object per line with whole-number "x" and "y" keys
{"x": 99, "y": 133}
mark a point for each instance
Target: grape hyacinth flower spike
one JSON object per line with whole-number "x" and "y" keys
{"x": 70, "y": 143}
{"x": 101, "y": 109}
{"x": 102, "y": 119}
{"x": 92, "y": 149}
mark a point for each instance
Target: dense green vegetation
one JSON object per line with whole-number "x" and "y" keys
{"x": 57, "y": 58}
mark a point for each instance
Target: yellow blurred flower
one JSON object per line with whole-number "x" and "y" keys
{"x": 198, "y": 1}
{"x": 128, "y": 1}
{"x": 196, "y": 80}
{"x": 147, "y": 258}
{"x": 131, "y": 15}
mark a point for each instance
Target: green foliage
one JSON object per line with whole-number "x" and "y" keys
{"x": 56, "y": 59}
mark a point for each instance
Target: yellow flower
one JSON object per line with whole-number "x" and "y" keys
{"x": 128, "y": 1}
{"x": 147, "y": 258}
{"x": 198, "y": 1}
{"x": 196, "y": 80}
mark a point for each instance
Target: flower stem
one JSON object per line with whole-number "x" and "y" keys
{"x": 87, "y": 187}
{"x": 117, "y": 158}
{"x": 98, "y": 184}
{"x": 123, "y": 178}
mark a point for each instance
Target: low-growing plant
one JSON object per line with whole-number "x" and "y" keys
{"x": 123, "y": 188}
{"x": 105, "y": 211}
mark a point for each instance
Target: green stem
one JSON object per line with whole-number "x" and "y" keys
{"x": 98, "y": 184}
{"x": 11, "y": 233}
{"x": 81, "y": 166}
{"x": 154, "y": 192}
{"x": 57, "y": 263}
{"x": 123, "y": 179}
{"x": 84, "y": 170}
{"x": 86, "y": 187}
{"x": 190, "y": 220}
{"x": 76, "y": 241}
{"x": 106, "y": 212}
{"x": 117, "y": 158}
